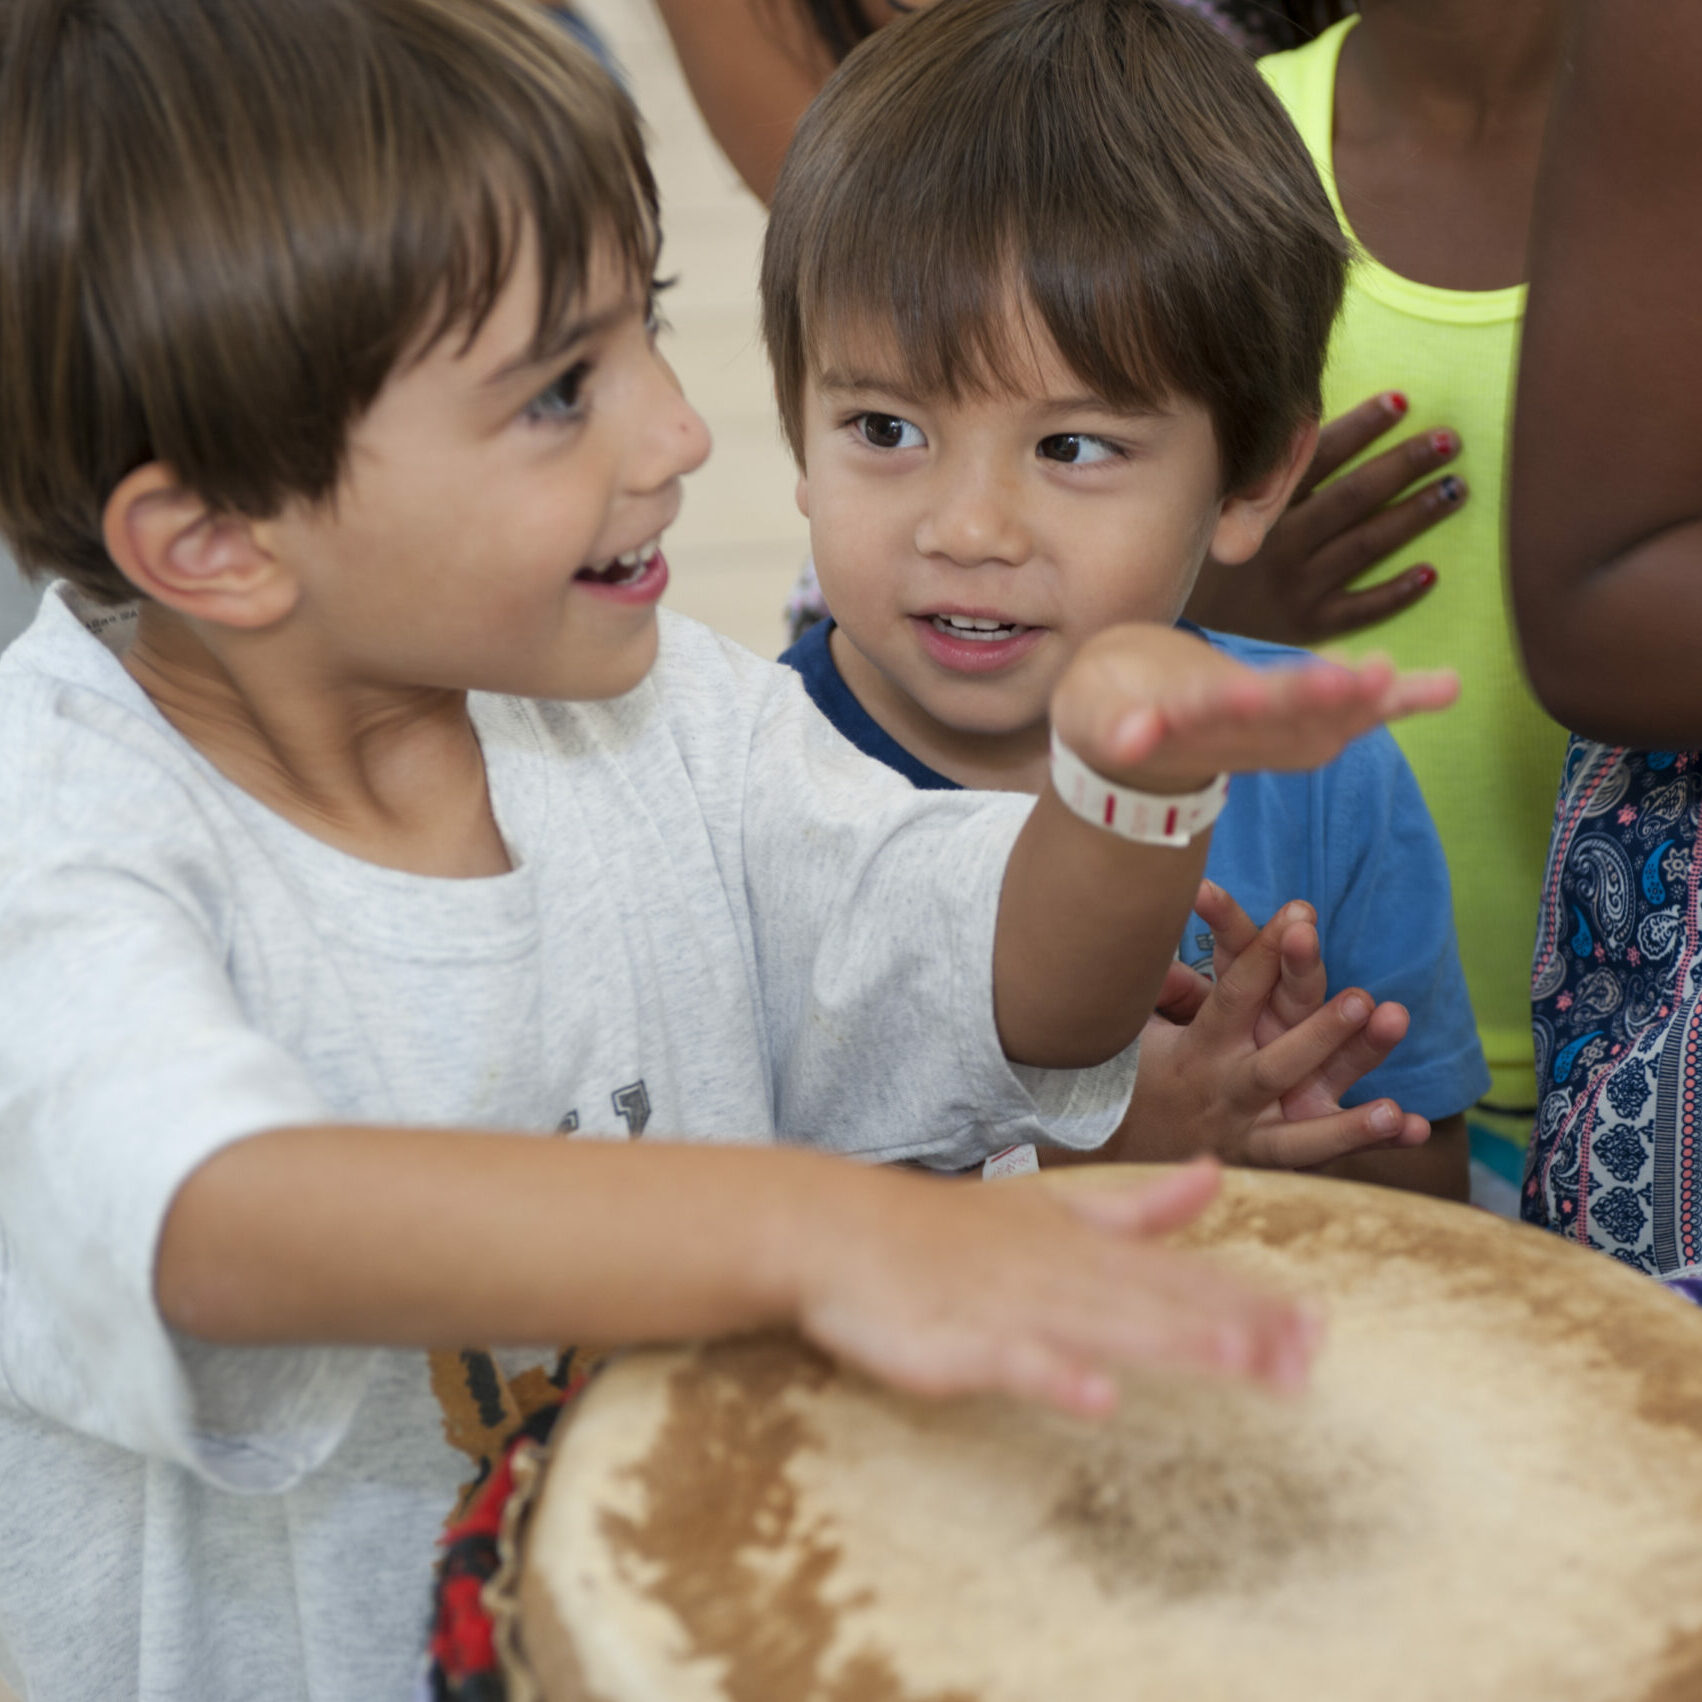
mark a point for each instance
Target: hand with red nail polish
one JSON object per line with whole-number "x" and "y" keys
{"x": 1295, "y": 590}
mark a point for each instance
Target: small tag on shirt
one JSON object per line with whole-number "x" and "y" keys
{"x": 1012, "y": 1161}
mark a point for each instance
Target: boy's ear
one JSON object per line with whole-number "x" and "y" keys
{"x": 802, "y": 495}
{"x": 1248, "y": 514}
{"x": 194, "y": 559}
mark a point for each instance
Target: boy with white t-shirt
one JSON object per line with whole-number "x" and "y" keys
{"x": 362, "y": 829}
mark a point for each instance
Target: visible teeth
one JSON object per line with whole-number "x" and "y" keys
{"x": 975, "y": 627}
{"x": 625, "y": 566}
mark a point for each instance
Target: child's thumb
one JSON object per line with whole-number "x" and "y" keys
{"x": 1146, "y": 1206}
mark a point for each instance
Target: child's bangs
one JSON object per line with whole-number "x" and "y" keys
{"x": 553, "y": 164}
{"x": 1114, "y": 166}
{"x": 961, "y": 303}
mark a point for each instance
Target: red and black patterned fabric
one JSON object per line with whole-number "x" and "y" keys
{"x": 464, "y": 1663}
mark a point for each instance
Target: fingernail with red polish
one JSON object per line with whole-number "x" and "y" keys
{"x": 1423, "y": 578}
{"x": 1444, "y": 442}
{"x": 1396, "y": 403}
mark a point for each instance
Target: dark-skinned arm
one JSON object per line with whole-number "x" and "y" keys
{"x": 1607, "y": 453}
{"x": 752, "y": 67}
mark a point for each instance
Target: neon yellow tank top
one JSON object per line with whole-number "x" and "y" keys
{"x": 1490, "y": 766}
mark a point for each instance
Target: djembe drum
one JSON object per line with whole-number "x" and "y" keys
{"x": 1492, "y": 1492}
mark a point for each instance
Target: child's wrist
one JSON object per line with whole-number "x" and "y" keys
{"x": 1167, "y": 810}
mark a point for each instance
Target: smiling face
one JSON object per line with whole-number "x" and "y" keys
{"x": 498, "y": 522}
{"x": 968, "y": 547}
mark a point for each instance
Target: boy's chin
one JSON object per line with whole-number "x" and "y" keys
{"x": 993, "y": 722}
{"x": 988, "y": 706}
{"x": 584, "y": 674}
{"x": 619, "y": 676}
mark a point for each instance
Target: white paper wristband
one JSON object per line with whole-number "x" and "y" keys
{"x": 1148, "y": 818}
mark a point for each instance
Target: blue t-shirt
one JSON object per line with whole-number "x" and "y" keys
{"x": 1352, "y": 838}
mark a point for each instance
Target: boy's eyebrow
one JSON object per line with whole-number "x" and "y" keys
{"x": 836, "y": 378}
{"x": 558, "y": 344}
{"x": 1086, "y": 402}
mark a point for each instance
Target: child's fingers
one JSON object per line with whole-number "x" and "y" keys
{"x": 1168, "y": 1308}
{"x": 1422, "y": 689}
{"x": 943, "y": 1289}
{"x": 1317, "y": 1140}
{"x": 1184, "y": 991}
{"x": 1343, "y": 437}
{"x": 1310, "y": 1048}
{"x": 1303, "y": 982}
{"x": 1363, "y": 501}
{"x": 1365, "y": 1049}
{"x": 1232, "y": 929}
{"x": 1147, "y": 1208}
{"x": 1147, "y": 706}
{"x": 1095, "y": 1306}
{"x": 1240, "y": 1006}
{"x": 1300, "y": 717}
{"x": 1345, "y": 612}
{"x": 1239, "y": 998}
{"x": 1036, "y": 1370}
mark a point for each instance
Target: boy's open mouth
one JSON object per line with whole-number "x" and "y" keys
{"x": 626, "y": 568}
{"x": 981, "y": 643}
{"x": 976, "y": 628}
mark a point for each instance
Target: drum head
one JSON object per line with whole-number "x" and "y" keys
{"x": 1492, "y": 1491}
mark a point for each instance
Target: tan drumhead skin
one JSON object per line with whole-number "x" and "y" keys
{"x": 1492, "y": 1492}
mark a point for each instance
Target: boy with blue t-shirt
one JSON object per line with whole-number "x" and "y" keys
{"x": 396, "y": 912}
{"x": 1020, "y": 418}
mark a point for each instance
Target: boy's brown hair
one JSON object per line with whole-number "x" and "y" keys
{"x": 1115, "y": 166}
{"x": 224, "y": 223}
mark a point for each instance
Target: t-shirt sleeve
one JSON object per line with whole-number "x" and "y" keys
{"x": 873, "y": 909}
{"x": 124, "y": 1065}
{"x": 1388, "y": 926}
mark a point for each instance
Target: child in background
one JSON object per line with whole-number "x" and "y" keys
{"x": 1607, "y": 584}
{"x": 1425, "y": 118}
{"x": 361, "y": 829}
{"x": 754, "y": 65}
{"x": 1032, "y": 372}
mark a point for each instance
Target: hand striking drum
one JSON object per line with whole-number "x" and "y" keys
{"x": 1496, "y": 1414}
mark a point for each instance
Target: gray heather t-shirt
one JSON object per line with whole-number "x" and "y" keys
{"x": 722, "y": 923}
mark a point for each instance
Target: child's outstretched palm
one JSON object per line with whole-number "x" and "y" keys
{"x": 1150, "y": 706}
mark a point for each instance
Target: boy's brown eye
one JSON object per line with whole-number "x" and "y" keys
{"x": 1076, "y": 448}
{"x": 888, "y": 431}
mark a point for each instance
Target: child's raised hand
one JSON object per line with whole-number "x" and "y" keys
{"x": 1152, "y": 707}
{"x": 1295, "y": 590}
{"x": 946, "y": 1288}
{"x": 1256, "y": 1074}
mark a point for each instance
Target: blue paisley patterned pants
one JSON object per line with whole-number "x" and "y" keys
{"x": 1616, "y": 994}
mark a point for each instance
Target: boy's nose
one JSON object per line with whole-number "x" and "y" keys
{"x": 971, "y": 520}
{"x": 677, "y": 438}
